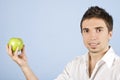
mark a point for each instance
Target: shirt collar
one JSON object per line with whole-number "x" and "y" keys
{"x": 109, "y": 56}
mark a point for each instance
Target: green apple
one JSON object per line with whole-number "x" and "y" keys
{"x": 16, "y": 43}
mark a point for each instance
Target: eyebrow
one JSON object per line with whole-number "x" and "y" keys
{"x": 85, "y": 29}
{"x": 95, "y": 28}
{"x": 99, "y": 27}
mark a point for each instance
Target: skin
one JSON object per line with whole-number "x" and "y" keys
{"x": 21, "y": 60}
{"x": 96, "y": 38}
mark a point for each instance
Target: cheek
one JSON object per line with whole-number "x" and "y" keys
{"x": 104, "y": 38}
{"x": 85, "y": 40}
{"x": 85, "y": 37}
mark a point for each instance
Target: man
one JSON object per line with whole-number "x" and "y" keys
{"x": 99, "y": 63}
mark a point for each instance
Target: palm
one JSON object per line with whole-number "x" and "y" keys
{"x": 19, "y": 59}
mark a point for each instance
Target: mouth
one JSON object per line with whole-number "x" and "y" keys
{"x": 93, "y": 45}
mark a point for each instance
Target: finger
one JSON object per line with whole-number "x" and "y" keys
{"x": 9, "y": 51}
{"x": 23, "y": 50}
{"x": 23, "y": 54}
{"x": 16, "y": 52}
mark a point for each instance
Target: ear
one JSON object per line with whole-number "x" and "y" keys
{"x": 110, "y": 35}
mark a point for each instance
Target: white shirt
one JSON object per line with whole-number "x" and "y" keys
{"x": 108, "y": 68}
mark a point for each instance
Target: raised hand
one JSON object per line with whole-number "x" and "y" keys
{"x": 20, "y": 59}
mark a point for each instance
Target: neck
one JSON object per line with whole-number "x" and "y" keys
{"x": 95, "y": 57}
{"x": 98, "y": 55}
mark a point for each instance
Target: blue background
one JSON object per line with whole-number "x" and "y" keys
{"x": 51, "y": 33}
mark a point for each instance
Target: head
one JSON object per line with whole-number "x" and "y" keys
{"x": 96, "y": 28}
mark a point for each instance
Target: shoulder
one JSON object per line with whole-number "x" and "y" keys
{"x": 116, "y": 64}
{"x": 117, "y": 60}
{"x": 81, "y": 58}
{"x": 78, "y": 60}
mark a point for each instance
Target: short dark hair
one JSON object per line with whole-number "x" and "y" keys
{"x": 97, "y": 12}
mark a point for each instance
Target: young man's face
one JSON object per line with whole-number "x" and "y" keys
{"x": 95, "y": 35}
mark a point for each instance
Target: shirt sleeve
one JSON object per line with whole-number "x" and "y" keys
{"x": 69, "y": 71}
{"x": 66, "y": 74}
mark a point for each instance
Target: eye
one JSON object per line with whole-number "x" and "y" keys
{"x": 85, "y": 30}
{"x": 98, "y": 30}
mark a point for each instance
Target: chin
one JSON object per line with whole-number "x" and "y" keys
{"x": 93, "y": 50}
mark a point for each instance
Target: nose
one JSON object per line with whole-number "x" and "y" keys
{"x": 93, "y": 35}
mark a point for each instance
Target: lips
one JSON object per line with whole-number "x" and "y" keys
{"x": 93, "y": 44}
